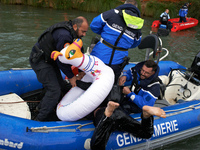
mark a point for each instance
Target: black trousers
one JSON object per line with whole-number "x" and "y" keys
{"x": 130, "y": 107}
{"x": 169, "y": 25}
{"x": 119, "y": 121}
{"x": 182, "y": 19}
{"x": 117, "y": 71}
{"x": 50, "y": 77}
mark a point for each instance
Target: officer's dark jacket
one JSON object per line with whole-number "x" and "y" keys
{"x": 146, "y": 91}
{"x": 54, "y": 38}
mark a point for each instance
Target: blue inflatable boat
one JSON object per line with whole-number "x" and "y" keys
{"x": 18, "y": 133}
{"x": 180, "y": 100}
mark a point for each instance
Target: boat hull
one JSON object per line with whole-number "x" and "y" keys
{"x": 23, "y": 81}
{"x": 19, "y": 81}
{"x": 168, "y": 130}
{"x": 17, "y": 132}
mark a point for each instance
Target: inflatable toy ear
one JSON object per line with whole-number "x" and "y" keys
{"x": 74, "y": 50}
{"x": 55, "y": 54}
{"x": 78, "y": 42}
{"x": 66, "y": 44}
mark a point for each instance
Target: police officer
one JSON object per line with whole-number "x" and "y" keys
{"x": 47, "y": 70}
{"x": 183, "y": 12}
{"x": 144, "y": 91}
{"x": 164, "y": 19}
{"x": 120, "y": 30}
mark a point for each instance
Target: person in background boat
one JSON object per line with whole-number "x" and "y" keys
{"x": 114, "y": 118}
{"x": 110, "y": 25}
{"x": 145, "y": 86}
{"x": 183, "y": 12}
{"x": 47, "y": 70}
{"x": 164, "y": 19}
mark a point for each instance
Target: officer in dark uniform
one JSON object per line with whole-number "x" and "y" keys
{"x": 47, "y": 70}
{"x": 143, "y": 92}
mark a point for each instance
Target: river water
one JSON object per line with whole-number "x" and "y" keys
{"x": 20, "y": 27}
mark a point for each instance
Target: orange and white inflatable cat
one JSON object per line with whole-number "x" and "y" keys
{"x": 78, "y": 103}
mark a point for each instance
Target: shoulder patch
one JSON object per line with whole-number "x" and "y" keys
{"x": 116, "y": 11}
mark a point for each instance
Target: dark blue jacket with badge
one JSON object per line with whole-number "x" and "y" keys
{"x": 148, "y": 90}
{"x": 183, "y": 11}
{"x": 109, "y": 25}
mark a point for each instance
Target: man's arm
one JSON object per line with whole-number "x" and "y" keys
{"x": 142, "y": 98}
{"x": 62, "y": 36}
{"x": 127, "y": 76}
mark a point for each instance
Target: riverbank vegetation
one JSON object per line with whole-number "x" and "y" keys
{"x": 150, "y": 8}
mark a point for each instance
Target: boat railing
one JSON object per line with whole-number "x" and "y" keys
{"x": 164, "y": 56}
{"x": 63, "y": 128}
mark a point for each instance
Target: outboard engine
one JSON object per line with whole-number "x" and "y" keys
{"x": 195, "y": 67}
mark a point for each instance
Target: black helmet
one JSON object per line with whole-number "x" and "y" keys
{"x": 186, "y": 4}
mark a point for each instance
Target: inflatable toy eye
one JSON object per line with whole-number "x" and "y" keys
{"x": 71, "y": 53}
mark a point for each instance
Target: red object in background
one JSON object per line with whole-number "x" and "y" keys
{"x": 176, "y": 25}
{"x": 74, "y": 70}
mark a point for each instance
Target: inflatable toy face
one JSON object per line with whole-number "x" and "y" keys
{"x": 70, "y": 53}
{"x": 74, "y": 50}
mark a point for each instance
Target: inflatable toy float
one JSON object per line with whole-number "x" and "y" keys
{"x": 176, "y": 25}
{"x": 78, "y": 103}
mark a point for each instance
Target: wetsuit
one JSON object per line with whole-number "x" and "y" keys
{"x": 119, "y": 121}
{"x": 109, "y": 25}
{"x": 145, "y": 93}
{"x": 48, "y": 71}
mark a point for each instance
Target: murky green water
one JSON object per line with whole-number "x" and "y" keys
{"x": 20, "y": 26}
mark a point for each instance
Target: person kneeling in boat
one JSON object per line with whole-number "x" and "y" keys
{"x": 114, "y": 118}
{"x": 145, "y": 86}
{"x": 146, "y": 89}
{"x": 183, "y": 12}
{"x": 164, "y": 19}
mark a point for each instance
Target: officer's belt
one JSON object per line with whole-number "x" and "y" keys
{"x": 112, "y": 46}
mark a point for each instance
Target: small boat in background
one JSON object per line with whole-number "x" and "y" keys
{"x": 176, "y": 25}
